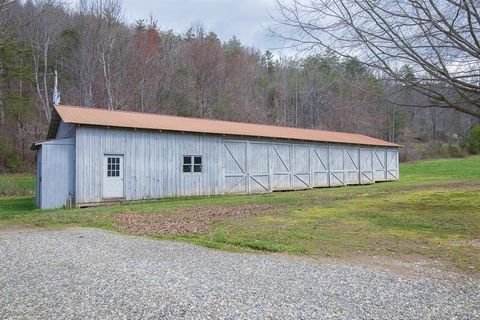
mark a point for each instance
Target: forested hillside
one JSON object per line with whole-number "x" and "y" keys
{"x": 104, "y": 61}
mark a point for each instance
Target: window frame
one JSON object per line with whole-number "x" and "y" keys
{"x": 113, "y": 169}
{"x": 192, "y": 163}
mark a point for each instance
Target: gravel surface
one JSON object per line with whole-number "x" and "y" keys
{"x": 89, "y": 273}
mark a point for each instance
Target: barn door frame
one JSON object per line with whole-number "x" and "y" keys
{"x": 248, "y": 175}
{"x": 367, "y": 174}
{"x": 334, "y": 173}
{"x": 392, "y": 158}
{"x": 252, "y": 165}
{"x": 287, "y": 165}
{"x": 352, "y": 156}
{"x": 324, "y": 163}
{"x": 297, "y": 174}
{"x": 242, "y": 176}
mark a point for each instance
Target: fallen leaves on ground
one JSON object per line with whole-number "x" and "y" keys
{"x": 185, "y": 220}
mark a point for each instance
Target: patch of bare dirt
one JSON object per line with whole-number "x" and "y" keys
{"x": 475, "y": 243}
{"x": 411, "y": 265}
{"x": 186, "y": 220}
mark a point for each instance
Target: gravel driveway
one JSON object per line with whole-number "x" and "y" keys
{"x": 89, "y": 273}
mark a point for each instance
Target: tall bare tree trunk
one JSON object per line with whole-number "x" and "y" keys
{"x": 45, "y": 74}
{"x": 45, "y": 107}
{"x": 107, "y": 81}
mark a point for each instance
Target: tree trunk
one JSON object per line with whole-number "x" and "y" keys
{"x": 45, "y": 75}
{"x": 107, "y": 81}
{"x": 45, "y": 107}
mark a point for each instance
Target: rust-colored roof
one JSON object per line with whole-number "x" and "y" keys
{"x": 127, "y": 119}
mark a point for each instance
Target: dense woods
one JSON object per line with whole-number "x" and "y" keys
{"x": 104, "y": 61}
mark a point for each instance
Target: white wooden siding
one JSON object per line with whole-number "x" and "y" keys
{"x": 319, "y": 159}
{"x": 301, "y": 166}
{"x": 56, "y": 173}
{"x": 352, "y": 165}
{"x": 153, "y": 164}
{"x": 366, "y": 165}
{"x": 380, "y": 164}
{"x": 337, "y": 166}
{"x": 392, "y": 165}
{"x": 281, "y": 166}
{"x": 235, "y": 166}
{"x": 259, "y": 166}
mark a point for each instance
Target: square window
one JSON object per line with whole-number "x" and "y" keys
{"x": 192, "y": 164}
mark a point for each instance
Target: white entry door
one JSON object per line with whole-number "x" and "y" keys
{"x": 113, "y": 176}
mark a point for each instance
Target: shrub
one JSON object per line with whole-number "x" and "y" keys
{"x": 455, "y": 151}
{"x": 10, "y": 159}
{"x": 473, "y": 140}
{"x": 432, "y": 150}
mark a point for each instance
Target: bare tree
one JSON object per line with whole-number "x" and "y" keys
{"x": 44, "y": 27}
{"x": 439, "y": 39}
{"x": 106, "y": 46}
{"x": 4, "y": 4}
{"x": 204, "y": 61}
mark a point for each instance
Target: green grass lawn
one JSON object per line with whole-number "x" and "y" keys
{"x": 16, "y": 184}
{"x": 432, "y": 212}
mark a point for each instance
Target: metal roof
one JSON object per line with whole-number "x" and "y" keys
{"x": 138, "y": 120}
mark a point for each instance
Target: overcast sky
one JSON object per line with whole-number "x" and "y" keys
{"x": 247, "y": 19}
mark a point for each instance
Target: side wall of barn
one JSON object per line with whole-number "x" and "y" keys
{"x": 153, "y": 164}
{"x": 254, "y": 166}
{"x": 56, "y": 173}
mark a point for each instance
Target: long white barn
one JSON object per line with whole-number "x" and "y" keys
{"x": 95, "y": 155}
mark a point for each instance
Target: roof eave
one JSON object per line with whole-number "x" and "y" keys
{"x": 61, "y": 113}
{"x": 54, "y": 123}
{"x": 390, "y": 145}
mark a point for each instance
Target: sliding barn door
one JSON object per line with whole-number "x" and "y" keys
{"x": 258, "y": 172}
{"x": 319, "y": 161}
{"x": 281, "y": 167}
{"x": 366, "y": 166}
{"x": 262, "y": 166}
{"x": 392, "y": 164}
{"x": 235, "y": 166}
{"x": 246, "y": 167}
{"x": 301, "y": 167}
{"x": 352, "y": 165}
{"x": 337, "y": 169}
{"x": 380, "y": 164}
